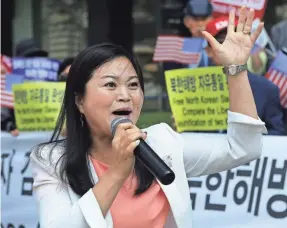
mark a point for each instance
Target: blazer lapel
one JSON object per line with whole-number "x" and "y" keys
{"x": 171, "y": 191}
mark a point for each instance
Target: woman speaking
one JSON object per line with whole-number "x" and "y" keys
{"x": 92, "y": 178}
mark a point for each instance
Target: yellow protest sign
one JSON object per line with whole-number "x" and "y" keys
{"x": 198, "y": 98}
{"x": 37, "y": 105}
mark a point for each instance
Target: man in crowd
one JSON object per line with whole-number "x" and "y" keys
{"x": 266, "y": 94}
{"x": 25, "y": 48}
{"x": 197, "y": 14}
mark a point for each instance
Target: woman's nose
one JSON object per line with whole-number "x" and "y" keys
{"x": 123, "y": 94}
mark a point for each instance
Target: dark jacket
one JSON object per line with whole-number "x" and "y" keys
{"x": 8, "y": 122}
{"x": 267, "y": 99}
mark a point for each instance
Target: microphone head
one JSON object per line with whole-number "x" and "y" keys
{"x": 116, "y": 122}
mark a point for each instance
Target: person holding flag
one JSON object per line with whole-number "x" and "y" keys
{"x": 266, "y": 94}
{"x": 197, "y": 14}
{"x": 8, "y": 122}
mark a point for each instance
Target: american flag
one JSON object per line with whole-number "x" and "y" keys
{"x": 178, "y": 49}
{"x": 7, "y": 99}
{"x": 7, "y": 81}
{"x": 6, "y": 96}
{"x": 277, "y": 74}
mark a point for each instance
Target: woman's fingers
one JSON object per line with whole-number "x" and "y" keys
{"x": 242, "y": 19}
{"x": 249, "y": 20}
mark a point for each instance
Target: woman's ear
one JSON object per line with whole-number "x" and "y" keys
{"x": 79, "y": 103}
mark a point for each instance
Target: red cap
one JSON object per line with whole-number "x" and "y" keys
{"x": 218, "y": 24}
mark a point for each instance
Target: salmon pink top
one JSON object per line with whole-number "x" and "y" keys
{"x": 149, "y": 209}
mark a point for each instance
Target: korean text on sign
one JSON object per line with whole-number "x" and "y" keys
{"x": 36, "y": 68}
{"x": 198, "y": 98}
{"x": 37, "y": 105}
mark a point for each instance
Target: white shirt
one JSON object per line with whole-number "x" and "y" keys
{"x": 59, "y": 206}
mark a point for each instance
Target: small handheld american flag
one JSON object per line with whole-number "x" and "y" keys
{"x": 7, "y": 99}
{"x": 277, "y": 74}
{"x": 178, "y": 49}
{"x": 7, "y": 81}
{"x": 6, "y": 96}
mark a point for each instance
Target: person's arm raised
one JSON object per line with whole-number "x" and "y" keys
{"x": 235, "y": 50}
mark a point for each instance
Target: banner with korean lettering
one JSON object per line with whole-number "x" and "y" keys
{"x": 198, "y": 98}
{"x": 250, "y": 196}
{"x": 36, "y": 68}
{"x": 253, "y": 195}
{"x": 18, "y": 208}
{"x": 37, "y": 105}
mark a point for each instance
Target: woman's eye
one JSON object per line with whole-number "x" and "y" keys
{"x": 110, "y": 84}
{"x": 134, "y": 85}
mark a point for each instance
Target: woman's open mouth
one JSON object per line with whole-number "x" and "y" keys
{"x": 122, "y": 112}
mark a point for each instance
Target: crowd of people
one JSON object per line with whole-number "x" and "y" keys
{"x": 197, "y": 18}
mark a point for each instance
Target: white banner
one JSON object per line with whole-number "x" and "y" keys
{"x": 253, "y": 195}
{"x": 18, "y": 206}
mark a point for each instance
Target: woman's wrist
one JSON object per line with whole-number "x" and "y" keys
{"x": 115, "y": 176}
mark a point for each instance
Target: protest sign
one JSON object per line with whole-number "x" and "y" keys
{"x": 198, "y": 98}
{"x": 36, "y": 68}
{"x": 37, "y": 105}
{"x": 249, "y": 196}
{"x": 222, "y": 7}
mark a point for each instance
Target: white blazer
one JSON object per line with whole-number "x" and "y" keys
{"x": 60, "y": 207}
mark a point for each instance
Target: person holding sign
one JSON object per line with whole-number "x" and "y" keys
{"x": 85, "y": 179}
{"x": 266, "y": 94}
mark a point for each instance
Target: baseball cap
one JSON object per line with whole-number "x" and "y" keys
{"x": 216, "y": 25}
{"x": 198, "y": 8}
{"x": 29, "y": 48}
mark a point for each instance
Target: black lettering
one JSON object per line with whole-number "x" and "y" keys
{"x": 193, "y": 112}
{"x": 191, "y": 123}
{"x": 193, "y": 200}
{"x": 178, "y": 102}
{"x": 51, "y": 110}
{"x": 213, "y": 206}
{"x": 27, "y": 186}
{"x": 210, "y": 111}
{"x": 221, "y": 110}
{"x": 229, "y": 176}
{"x": 271, "y": 212}
{"x": 209, "y": 100}
{"x": 211, "y": 187}
{"x": 30, "y": 120}
{"x": 219, "y": 122}
{"x": 257, "y": 183}
{"x": 192, "y": 100}
{"x": 224, "y": 99}
{"x": 240, "y": 200}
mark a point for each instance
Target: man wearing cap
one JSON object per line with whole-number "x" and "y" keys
{"x": 29, "y": 48}
{"x": 197, "y": 14}
{"x": 266, "y": 94}
{"x": 25, "y": 48}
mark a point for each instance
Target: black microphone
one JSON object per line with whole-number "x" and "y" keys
{"x": 148, "y": 157}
